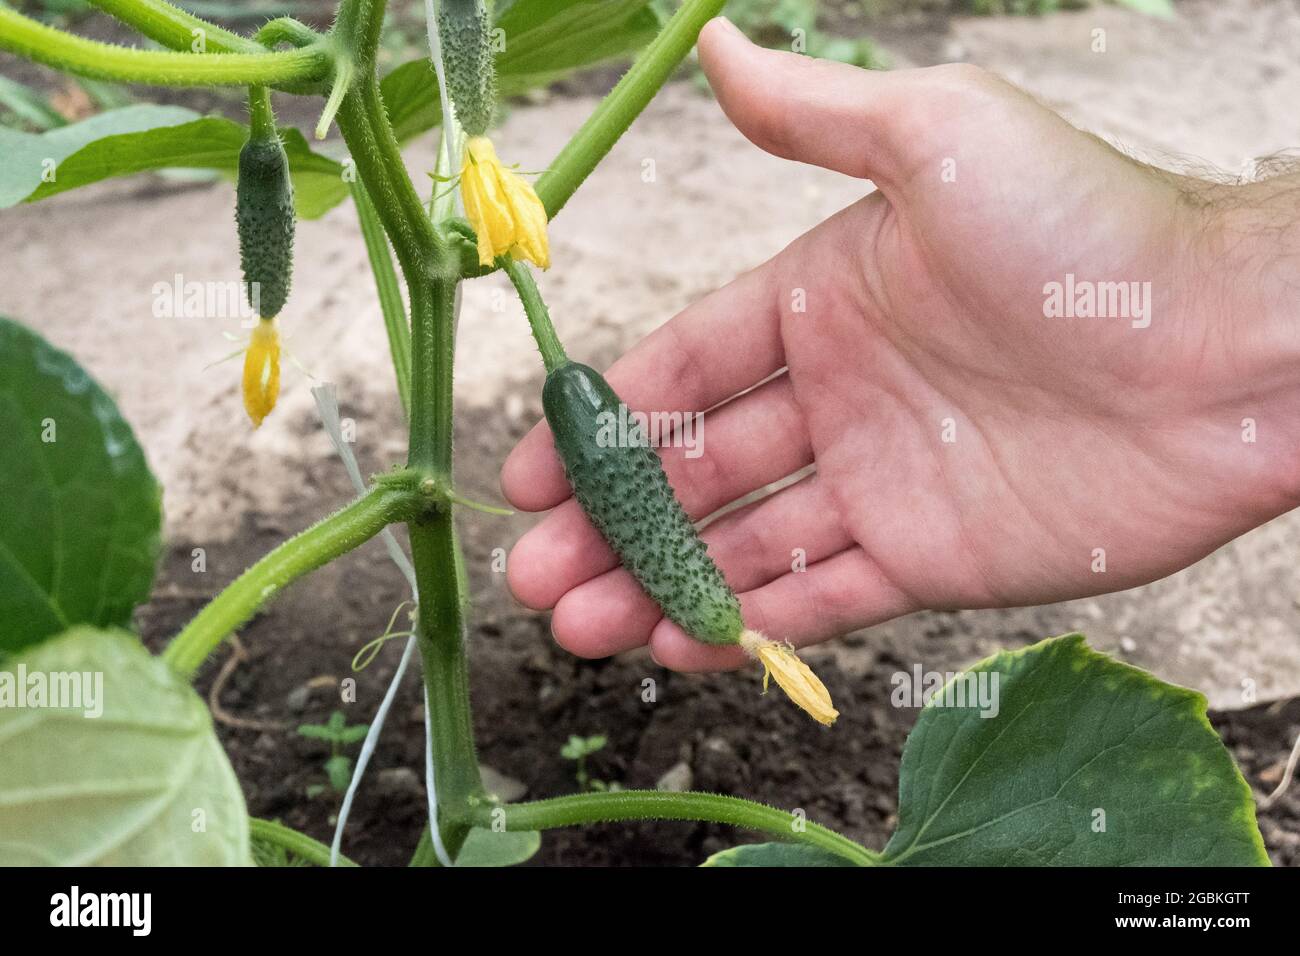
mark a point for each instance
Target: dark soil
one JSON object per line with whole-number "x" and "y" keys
{"x": 529, "y": 696}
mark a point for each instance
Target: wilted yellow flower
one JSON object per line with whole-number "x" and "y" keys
{"x": 502, "y": 207}
{"x": 262, "y": 371}
{"x": 792, "y": 675}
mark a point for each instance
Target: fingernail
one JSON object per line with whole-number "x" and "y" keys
{"x": 731, "y": 27}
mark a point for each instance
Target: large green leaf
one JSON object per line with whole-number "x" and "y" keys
{"x": 144, "y": 783}
{"x": 1088, "y": 762}
{"x": 81, "y": 520}
{"x": 498, "y": 847}
{"x": 139, "y": 138}
{"x": 544, "y": 40}
{"x": 30, "y": 156}
{"x": 775, "y": 854}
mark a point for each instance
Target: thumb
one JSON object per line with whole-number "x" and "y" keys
{"x": 797, "y": 107}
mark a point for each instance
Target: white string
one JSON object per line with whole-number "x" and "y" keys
{"x": 327, "y": 405}
{"x": 435, "y": 835}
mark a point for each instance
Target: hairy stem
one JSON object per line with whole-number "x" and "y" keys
{"x": 105, "y": 61}
{"x": 659, "y": 805}
{"x": 378, "y": 158}
{"x": 539, "y": 317}
{"x": 261, "y": 118}
{"x": 396, "y": 498}
{"x": 299, "y": 844}
{"x": 435, "y": 552}
{"x": 624, "y": 103}
{"x": 175, "y": 28}
{"x": 442, "y": 633}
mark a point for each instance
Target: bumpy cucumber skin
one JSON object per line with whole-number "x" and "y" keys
{"x": 626, "y": 494}
{"x": 265, "y": 217}
{"x": 464, "y": 32}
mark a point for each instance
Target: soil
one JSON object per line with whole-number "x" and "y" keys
{"x": 1221, "y": 80}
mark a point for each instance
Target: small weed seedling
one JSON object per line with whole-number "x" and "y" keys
{"x": 338, "y": 734}
{"x": 578, "y": 749}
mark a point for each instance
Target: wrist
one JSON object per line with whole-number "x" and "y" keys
{"x": 1248, "y": 255}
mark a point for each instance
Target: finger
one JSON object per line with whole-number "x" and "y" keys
{"x": 815, "y": 111}
{"x": 610, "y": 613}
{"x": 557, "y": 554}
{"x": 744, "y": 445}
{"x": 607, "y": 615}
{"x": 716, "y": 348}
{"x": 840, "y": 594}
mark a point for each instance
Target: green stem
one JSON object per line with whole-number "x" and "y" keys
{"x": 357, "y": 25}
{"x": 539, "y": 318}
{"x": 439, "y": 568}
{"x": 659, "y": 805}
{"x": 105, "y": 61}
{"x": 396, "y": 324}
{"x": 441, "y": 631}
{"x": 299, "y": 844}
{"x": 378, "y": 160}
{"x": 624, "y": 103}
{"x": 395, "y": 498}
{"x": 175, "y": 28}
{"x": 435, "y": 552}
{"x": 285, "y": 30}
{"x": 261, "y": 118}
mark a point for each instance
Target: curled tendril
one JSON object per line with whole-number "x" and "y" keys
{"x": 366, "y": 655}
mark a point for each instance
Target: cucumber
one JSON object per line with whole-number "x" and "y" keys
{"x": 626, "y": 494}
{"x": 264, "y": 214}
{"x": 464, "y": 33}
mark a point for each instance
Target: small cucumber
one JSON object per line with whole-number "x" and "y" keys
{"x": 464, "y": 32}
{"x": 625, "y": 493}
{"x": 264, "y": 213}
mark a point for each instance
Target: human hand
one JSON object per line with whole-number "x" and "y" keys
{"x": 970, "y": 450}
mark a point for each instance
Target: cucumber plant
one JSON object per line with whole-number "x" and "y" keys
{"x": 1088, "y": 761}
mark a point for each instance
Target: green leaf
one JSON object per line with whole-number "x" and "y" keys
{"x": 81, "y": 522}
{"x": 339, "y": 771}
{"x": 1088, "y": 762}
{"x": 775, "y": 854}
{"x": 145, "y": 137}
{"x": 353, "y": 734}
{"x": 498, "y": 848}
{"x": 544, "y": 40}
{"x": 30, "y": 156}
{"x": 145, "y": 783}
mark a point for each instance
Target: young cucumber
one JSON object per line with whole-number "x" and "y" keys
{"x": 464, "y": 31}
{"x": 264, "y": 213}
{"x": 623, "y": 490}
{"x": 626, "y": 494}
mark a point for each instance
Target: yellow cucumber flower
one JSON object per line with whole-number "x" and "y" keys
{"x": 262, "y": 371}
{"x": 502, "y": 207}
{"x": 793, "y": 676}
